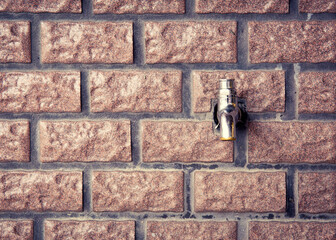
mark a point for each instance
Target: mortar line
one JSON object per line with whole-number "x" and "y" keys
{"x": 294, "y": 8}
{"x": 290, "y": 94}
{"x": 87, "y": 190}
{"x": 87, "y": 9}
{"x": 34, "y": 143}
{"x": 186, "y": 94}
{"x": 136, "y": 135}
{"x": 242, "y": 229}
{"x": 290, "y": 201}
{"x": 138, "y": 43}
{"x": 242, "y": 44}
{"x": 84, "y": 92}
{"x": 35, "y": 36}
{"x": 190, "y": 8}
{"x": 296, "y": 88}
{"x": 140, "y": 229}
{"x": 38, "y": 227}
{"x": 296, "y": 192}
{"x": 187, "y": 192}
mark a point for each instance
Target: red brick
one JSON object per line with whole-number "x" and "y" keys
{"x": 191, "y": 42}
{"x": 154, "y": 191}
{"x": 14, "y": 141}
{"x": 191, "y": 230}
{"x": 16, "y": 229}
{"x": 317, "y": 6}
{"x": 138, "y": 6}
{"x": 40, "y": 92}
{"x": 101, "y": 229}
{"x": 294, "y": 41}
{"x": 292, "y": 230}
{"x": 87, "y": 141}
{"x": 292, "y": 142}
{"x": 240, "y": 191}
{"x": 136, "y": 91}
{"x": 40, "y": 191}
{"x": 86, "y": 42}
{"x": 15, "y": 42}
{"x": 317, "y": 92}
{"x": 317, "y": 192}
{"x": 183, "y": 141}
{"x": 264, "y": 91}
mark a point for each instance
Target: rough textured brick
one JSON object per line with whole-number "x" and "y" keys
{"x": 40, "y": 92}
{"x": 87, "y": 141}
{"x": 138, "y": 191}
{"x": 317, "y": 6}
{"x": 292, "y": 230}
{"x": 15, "y": 41}
{"x": 86, "y": 42}
{"x": 317, "y": 92}
{"x": 136, "y": 91}
{"x": 191, "y": 42}
{"x": 264, "y": 91}
{"x": 249, "y": 6}
{"x": 240, "y": 191}
{"x": 293, "y": 41}
{"x": 138, "y": 6}
{"x": 317, "y": 192}
{"x": 183, "y": 141}
{"x": 191, "y": 230}
{"x": 38, "y": 6}
{"x": 16, "y": 229}
{"x": 40, "y": 191}
{"x": 292, "y": 142}
{"x": 14, "y": 141}
{"x": 102, "y": 229}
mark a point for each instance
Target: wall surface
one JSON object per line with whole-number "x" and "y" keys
{"x": 106, "y": 123}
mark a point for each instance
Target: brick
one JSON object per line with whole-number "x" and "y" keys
{"x": 191, "y": 230}
{"x": 292, "y": 230}
{"x": 40, "y": 92}
{"x": 86, "y": 141}
{"x": 293, "y": 41}
{"x": 139, "y": 6}
{"x": 317, "y": 92}
{"x": 317, "y": 192}
{"x": 183, "y": 141}
{"x": 292, "y": 142}
{"x": 136, "y": 91}
{"x": 40, "y": 191}
{"x": 86, "y": 42}
{"x": 121, "y": 191}
{"x": 240, "y": 191}
{"x": 16, "y": 229}
{"x": 191, "y": 42}
{"x": 264, "y": 91}
{"x": 14, "y": 141}
{"x": 102, "y": 229}
{"x": 15, "y": 42}
{"x": 317, "y": 6}
{"x": 39, "y": 6}
{"x": 249, "y": 6}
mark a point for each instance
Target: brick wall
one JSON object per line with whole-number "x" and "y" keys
{"x": 105, "y": 119}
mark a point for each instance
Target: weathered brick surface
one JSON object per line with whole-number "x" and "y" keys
{"x": 15, "y": 41}
{"x": 14, "y": 141}
{"x": 191, "y": 41}
{"x": 317, "y": 6}
{"x": 292, "y": 230}
{"x": 249, "y": 6}
{"x": 293, "y": 41}
{"x": 40, "y": 92}
{"x": 136, "y": 91}
{"x": 183, "y": 141}
{"x": 16, "y": 229}
{"x": 317, "y": 92}
{"x": 240, "y": 191}
{"x": 138, "y": 191}
{"x": 317, "y": 192}
{"x": 264, "y": 91}
{"x": 102, "y": 229}
{"x": 40, "y": 191}
{"x": 139, "y": 6}
{"x": 292, "y": 142}
{"x": 191, "y": 230}
{"x": 87, "y": 141}
{"x": 86, "y": 42}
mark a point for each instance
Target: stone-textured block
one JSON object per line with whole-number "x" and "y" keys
{"x": 86, "y": 42}
{"x": 121, "y": 191}
{"x": 40, "y": 92}
{"x": 264, "y": 91}
{"x": 240, "y": 191}
{"x": 183, "y": 141}
{"x": 292, "y": 142}
{"x": 293, "y": 41}
{"x": 136, "y": 91}
{"x": 191, "y": 42}
{"x": 87, "y": 141}
{"x": 16, "y": 229}
{"x": 317, "y": 6}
